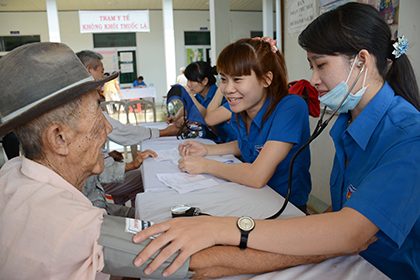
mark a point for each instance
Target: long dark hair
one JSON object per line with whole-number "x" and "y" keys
{"x": 199, "y": 70}
{"x": 239, "y": 58}
{"x": 353, "y": 27}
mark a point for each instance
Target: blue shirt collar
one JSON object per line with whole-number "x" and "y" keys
{"x": 257, "y": 121}
{"x": 364, "y": 125}
{"x": 210, "y": 95}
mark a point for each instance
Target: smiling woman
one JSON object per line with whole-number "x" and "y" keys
{"x": 270, "y": 124}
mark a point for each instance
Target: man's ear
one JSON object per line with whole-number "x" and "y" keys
{"x": 90, "y": 70}
{"x": 56, "y": 137}
{"x": 268, "y": 78}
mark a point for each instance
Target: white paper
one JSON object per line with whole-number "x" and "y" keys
{"x": 126, "y": 56}
{"x": 134, "y": 226}
{"x": 184, "y": 182}
{"x": 171, "y": 154}
{"x": 300, "y": 14}
{"x": 127, "y": 68}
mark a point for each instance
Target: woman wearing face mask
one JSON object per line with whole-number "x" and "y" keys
{"x": 202, "y": 87}
{"x": 374, "y": 180}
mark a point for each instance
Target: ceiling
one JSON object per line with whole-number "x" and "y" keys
{"x": 75, "y": 5}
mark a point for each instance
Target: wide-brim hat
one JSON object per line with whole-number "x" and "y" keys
{"x": 38, "y": 77}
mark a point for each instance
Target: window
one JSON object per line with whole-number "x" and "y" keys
{"x": 113, "y": 40}
{"x": 197, "y": 38}
{"x": 8, "y": 43}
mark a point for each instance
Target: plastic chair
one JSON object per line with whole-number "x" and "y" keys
{"x": 114, "y": 107}
{"x": 163, "y": 102}
{"x": 140, "y": 116}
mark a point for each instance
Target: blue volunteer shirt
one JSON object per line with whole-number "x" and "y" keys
{"x": 381, "y": 180}
{"x": 225, "y": 131}
{"x": 289, "y": 122}
{"x": 136, "y": 83}
{"x": 210, "y": 94}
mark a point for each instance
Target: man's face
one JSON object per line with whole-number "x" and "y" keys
{"x": 90, "y": 135}
{"x": 99, "y": 72}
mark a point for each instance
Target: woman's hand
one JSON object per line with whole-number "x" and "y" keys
{"x": 192, "y": 148}
{"x": 188, "y": 235}
{"x": 170, "y": 119}
{"x": 189, "y": 91}
{"x": 193, "y": 165}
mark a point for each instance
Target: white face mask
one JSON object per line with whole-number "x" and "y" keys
{"x": 333, "y": 98}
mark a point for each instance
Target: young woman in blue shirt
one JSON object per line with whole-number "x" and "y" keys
{"x": 202, "y": 87}
{"x": 376, "y": 173}
{"x": 270, "y": 124}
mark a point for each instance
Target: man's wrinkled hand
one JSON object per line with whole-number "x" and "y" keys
{"x": 138, "y": 160}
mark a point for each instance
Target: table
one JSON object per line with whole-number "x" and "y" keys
{"x": 154, "y": 204}
{"x": 133, "y": 93}
{"x": 231, "y": 199}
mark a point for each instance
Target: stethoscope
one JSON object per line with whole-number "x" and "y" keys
{"x": 317, "y": 131}
{"x": 186, "y": 210}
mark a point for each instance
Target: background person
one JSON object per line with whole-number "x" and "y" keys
{"x": 122, "y": 181}
{"x": 139, "y": 83}
{"x": 202, "y": 87}
{"x": 128, "y": 184}
{"x": 112, "y": 90}
{"x": 123, "y": 134}
{"x": 374, "y": 180}
{"x": 181, "y": 79}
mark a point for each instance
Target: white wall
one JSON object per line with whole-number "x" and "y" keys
{"x": 150, "y": 46}
{"x": 29, "y": 23}
{"x": 409, "y": 25}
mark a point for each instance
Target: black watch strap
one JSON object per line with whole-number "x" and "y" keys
{"x": 245, "y": 225}
{"x": 244, "y": 239}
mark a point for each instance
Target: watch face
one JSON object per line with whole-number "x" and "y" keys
{"x": 180, "y": 208}
{"x": 246, "y": 223}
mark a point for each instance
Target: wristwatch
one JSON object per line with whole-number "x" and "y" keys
{"x": 245, "y": 225}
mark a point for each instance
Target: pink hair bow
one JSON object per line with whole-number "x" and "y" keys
{"x": 272, "y": 42}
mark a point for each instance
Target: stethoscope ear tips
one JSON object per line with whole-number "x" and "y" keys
{"x": 359, "y": 64}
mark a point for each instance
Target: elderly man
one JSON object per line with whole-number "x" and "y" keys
{"x": 48, "y": 228}
{"x": 122, "y": 134}
{"x": 131, "y": 182}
